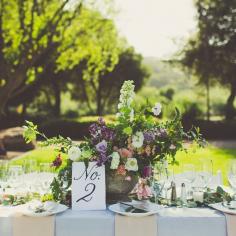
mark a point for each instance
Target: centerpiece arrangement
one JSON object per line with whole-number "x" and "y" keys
{"x": 128, "y": 148}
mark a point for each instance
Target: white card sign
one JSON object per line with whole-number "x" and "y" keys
{"x": 88, "y": 187}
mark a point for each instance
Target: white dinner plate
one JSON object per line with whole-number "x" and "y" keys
{"x": 151, "y": 207}
{"x": 222, "y": 208}
{"x": 27, "y": 212}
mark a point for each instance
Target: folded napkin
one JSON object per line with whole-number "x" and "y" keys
{"x": 32, "y": 226}
{"x": 231, "y": 224}
{"x": 135, "y": 226}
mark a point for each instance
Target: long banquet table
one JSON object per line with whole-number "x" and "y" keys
{"x": 170, "y": 221}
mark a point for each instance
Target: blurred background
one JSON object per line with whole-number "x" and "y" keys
{"x": 62, "y": 64}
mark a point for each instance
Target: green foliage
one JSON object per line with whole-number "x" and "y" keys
{"x": 210, "y": 53}
{"x": 42, "y": 43}
{"x": 219, "y": 196}
{"x": 30, "y": 132}
{"x": 136, "y": 130}
{"x": 101, "y": 93}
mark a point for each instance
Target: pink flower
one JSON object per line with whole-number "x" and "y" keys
{"x": 121, "y": 170}
{"x": 142, "y": 190}
{"x": 125, "y": 153}
{"x": 172, "y": 147}
{"x": 128, "y": 178}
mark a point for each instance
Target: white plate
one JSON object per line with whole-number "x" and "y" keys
{"x": 27, "y": 212}
{"x": 220, "y": 207}
{"x": 151, "y": 207}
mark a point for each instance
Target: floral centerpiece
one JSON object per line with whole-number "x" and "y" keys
{"x": 128, "y": 148}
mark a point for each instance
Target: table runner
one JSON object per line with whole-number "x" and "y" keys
{"x": 231, "y": 224}
{"x": 135, "y": 226}
{"x": 33, "y": 226}
{"x": 15, "y": 224}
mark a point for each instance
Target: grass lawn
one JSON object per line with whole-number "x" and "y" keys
{"x": 219, "y": 156}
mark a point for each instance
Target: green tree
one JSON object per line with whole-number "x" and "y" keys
{"x": 34, "y": 34}
{"x": 105, "y": 92}
{"x": 211, "y": 54}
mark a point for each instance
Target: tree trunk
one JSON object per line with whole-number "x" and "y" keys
{"x": 5, "y": 93}
{"x": 230, "y": 111}
{"x": 208, "y": 101}
{"x": 99, "y": 100}
{"x": 57, "y": 93}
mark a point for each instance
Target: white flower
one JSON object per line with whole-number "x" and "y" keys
{"x": 115, "y": 160}
{"x": 137, "y": 140}
{"x": 131, "y": 164}
{"x": 157, "y": 109}
{"x": 74, "y": 153}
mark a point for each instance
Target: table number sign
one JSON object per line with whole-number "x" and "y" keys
{"x": 88, "y": 186}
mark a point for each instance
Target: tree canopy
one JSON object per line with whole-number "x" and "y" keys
{"x": 211, "y": 53}
{"x": 38, "y": 35}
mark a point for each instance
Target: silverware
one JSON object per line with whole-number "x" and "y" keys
{"x": 228, "y": 205}
{"x": 134, "y": 208}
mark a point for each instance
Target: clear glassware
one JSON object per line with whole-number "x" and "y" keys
{"x": 189, "y": 176}
{"x": 206, "y": 172}
{"x": 4, "y": 171}
{"x": 232, "y": 176}
{"x": 15, "y": 179}
{"x": 45, "y": 167}
{"x": 30, "y": 166}
{"x": 46, "y": 176}
{"x": 164, "y": 178}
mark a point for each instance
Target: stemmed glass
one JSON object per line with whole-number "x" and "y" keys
{"x": 30, "y": 166}
{"x": 3, "y": 174}
{"x": 189, "y": 175}
{"x": 232, "y": 176}
{"x": 160, "y": 179}
{"x": 207, "y": 172}
{"x": 46, "y": 177}
{"x": 15, "y": 177}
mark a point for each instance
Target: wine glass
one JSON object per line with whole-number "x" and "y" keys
{"x": 45, "y": 177}
{"x": 189, "y": 175}
{"x": 15, "y": 177}
{"x": 232, "y": 175}
{"x": 154, "y": 182}
{"x": 4, "y": 164}
{"x": 30, "y": 166}
{"x": 164, "y": 177}
{"x": 206, "y": 172}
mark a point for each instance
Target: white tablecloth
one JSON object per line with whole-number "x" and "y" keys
{"x": 170, "y": 221}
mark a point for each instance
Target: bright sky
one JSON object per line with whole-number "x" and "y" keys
{"x": 155, "y": 27}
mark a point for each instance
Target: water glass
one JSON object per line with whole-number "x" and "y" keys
{"x": 30, "y": 166}
{"x": 206, "y": 173}
{"x": 189, "y": 175}
{"x": 232, "y": 175}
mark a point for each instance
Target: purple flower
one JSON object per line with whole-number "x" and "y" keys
{"x": 94, "y": 130}
{"x": 149, "y": 136}
{"x": 161, "y": 133}
{"x": 102, "y": 159}
{"x": 102, "y": 147}
{"x": 99, "y": 131}
{"x": 101, "y": 121}
{"x": 107, "y": 133}
{"x": 147, "y": 171}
